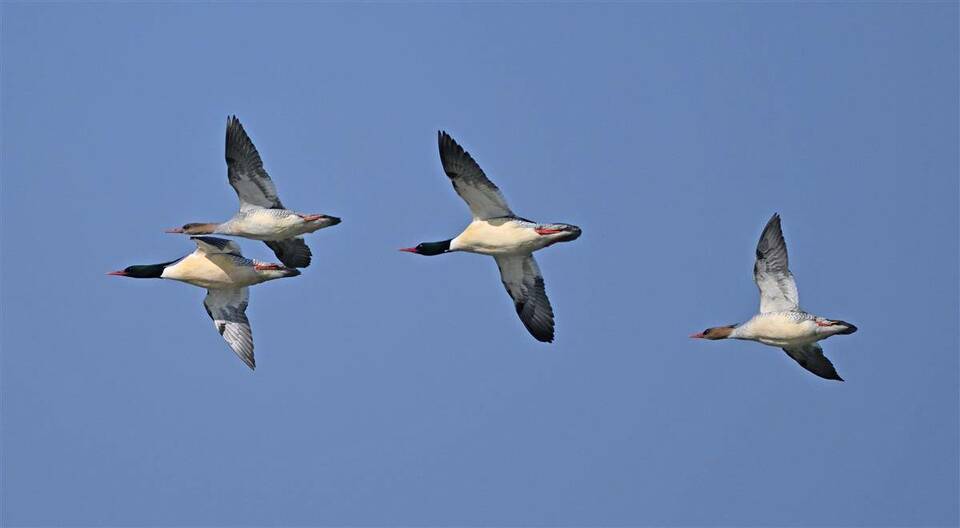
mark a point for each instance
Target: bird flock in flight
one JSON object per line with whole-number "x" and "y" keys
{"x": 219, "y": 266}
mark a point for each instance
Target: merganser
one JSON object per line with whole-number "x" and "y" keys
{"x": 497, "y": 232}
{"x": 218, "y": 266}
{"x": 781, "y": 323}
{"x": 261, "y": 216}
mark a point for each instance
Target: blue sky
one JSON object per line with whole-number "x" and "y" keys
{"x": 394, "y": 389}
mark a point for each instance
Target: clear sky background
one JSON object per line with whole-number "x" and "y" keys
{"x": 397, "y": 389}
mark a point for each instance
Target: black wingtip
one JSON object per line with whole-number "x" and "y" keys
{"x": 451, "y": 154}
{"x": 447, "y": 144}
{"x": 771, "y": 236}
{"x": 774, "y": 222}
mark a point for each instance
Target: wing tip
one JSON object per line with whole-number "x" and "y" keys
{"x": 773, "y": 223}
{"x": 450, "y": 152}
{"x": 771, "y": 237}
{"x": 540, "y": 325}
{"x": 544, "y": 338}
{"x": 292, "y": 252}
{"x": 233, "y": 125}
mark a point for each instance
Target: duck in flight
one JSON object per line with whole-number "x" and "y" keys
{"x": 496, "y": 231}
{"x": 261, "y": 216}
{"x": 781, "y": 323}
{"x": 218, "y": 266}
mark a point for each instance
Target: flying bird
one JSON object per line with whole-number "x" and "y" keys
{"x": 781, "y": 323}
{"x": 218, "y": 266}
{"x": 496, "y": 231}
{"x": 261, "y": 216}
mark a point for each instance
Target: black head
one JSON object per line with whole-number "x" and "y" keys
{"x": 429, "y": 248}
{"x": 145, "y": 271}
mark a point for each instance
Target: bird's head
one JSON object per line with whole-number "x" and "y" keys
{"x": 429, "y": 248}
{"x": 142, "y": 271}
{"x": 714, "y": 333}
{"x": 195, "y": 228}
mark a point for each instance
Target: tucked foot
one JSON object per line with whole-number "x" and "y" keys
{"x": 547, "y": 231}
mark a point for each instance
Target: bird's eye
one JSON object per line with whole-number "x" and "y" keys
{"x": 707, "y": 331}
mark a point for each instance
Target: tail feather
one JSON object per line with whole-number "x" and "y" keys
{"x": 850, "y": 328}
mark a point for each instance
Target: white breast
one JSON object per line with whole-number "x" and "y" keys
{"x": 498, "y": 237}
{"x": 267, "y": 224}
{"x": 779, "y": 329}
{"x": 212, "y": 271}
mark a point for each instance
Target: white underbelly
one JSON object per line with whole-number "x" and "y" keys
{"x": 214, "y": 271}
{"x": 782, "y": 331}
{"x": 265, "y": 225}
{"x": 498, "y": 238}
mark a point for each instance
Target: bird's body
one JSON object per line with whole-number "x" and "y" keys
{"x": 218, "y": 271}
{"x": 781, "y": 322}
{"x": 261, "y": 223}
{"x": 785, "y": 329}
{"x": 506, "y": 235}
{"x": 262, "y": 215}
{"x": 496, "y": 231}
{"x": 218, "y": 266}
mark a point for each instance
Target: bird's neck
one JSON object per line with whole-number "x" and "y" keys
{"x": 208, "y": 228}
{"x": 434, "y": 248}
{"x": 148, "y": 271}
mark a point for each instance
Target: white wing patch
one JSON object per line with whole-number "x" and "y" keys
{"x": 227, "y": 307}
{"x": 523, "y": 281}
{"x": 482, "y": 196}
{"x": 771, "y": 272}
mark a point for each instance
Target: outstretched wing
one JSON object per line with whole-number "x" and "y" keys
{"x": 811, "y": 358}
{"x": 523, "y": 281}
{"x": 292, "y": 252}
{"x": 771, "y": 272}
{"x": 483, "y": 197}
{"x": 227, "y": 307}
{"x": 245, "y": 170}
{"x": 214, "y": 245}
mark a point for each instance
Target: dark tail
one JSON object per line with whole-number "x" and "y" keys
{"x": 849, "y": 330}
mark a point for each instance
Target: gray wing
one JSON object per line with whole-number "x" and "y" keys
{"x": 214, "y": 245}
{"x": 483, "y": 197}
{"x": 245, "y": 170}
{"x": 523, "y": 281}
{"x": 292, "y": 252}
{"x": 227, "y": 307}
{"x": 811, "y": 358}
{"x": 778, "y": 290}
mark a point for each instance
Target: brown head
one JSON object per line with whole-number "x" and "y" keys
{"x": 195, "y": 229}
{"x": 717, "y": 332}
